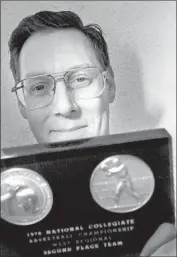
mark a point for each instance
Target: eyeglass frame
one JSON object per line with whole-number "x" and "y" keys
{"x": 62, "y": 77}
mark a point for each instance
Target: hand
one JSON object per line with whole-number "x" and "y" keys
{"x": 162, "y": 243}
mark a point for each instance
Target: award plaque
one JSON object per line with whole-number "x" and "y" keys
{"x": 95, "y": 197}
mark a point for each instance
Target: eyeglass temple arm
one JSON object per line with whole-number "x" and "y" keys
{"x": 15, "y": 88}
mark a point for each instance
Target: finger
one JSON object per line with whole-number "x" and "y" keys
{"x": 163, "y": 234}
{"x": 168, "y": 249}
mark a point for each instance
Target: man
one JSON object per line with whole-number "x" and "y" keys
{"x": 65, "y": 84}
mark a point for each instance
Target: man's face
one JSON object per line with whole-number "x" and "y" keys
{"x": 55, "y": 51}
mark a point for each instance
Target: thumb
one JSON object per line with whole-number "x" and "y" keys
{"x": 165, "y": 233}
{"x": 168, "y": 249}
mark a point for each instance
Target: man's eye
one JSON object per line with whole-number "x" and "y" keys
{"x": 39, "y": 89}
{"x": 81, "y": 79}
{"x": 79, "y": 82}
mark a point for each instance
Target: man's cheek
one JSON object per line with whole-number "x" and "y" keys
{"x": 90, "y": 104}
{"x": 37, "y": 123}
{"x": 94, "y": 122}
{"x": 38, "y": 116}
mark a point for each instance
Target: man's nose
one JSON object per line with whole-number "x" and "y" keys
{"x": 63, "y": 103}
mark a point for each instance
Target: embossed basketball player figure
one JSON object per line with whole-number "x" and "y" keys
{"x": 23, "y": 198}
{"x": 114, "y": 167}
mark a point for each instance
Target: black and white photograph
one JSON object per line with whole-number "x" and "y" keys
{"x": 88, "y": 170}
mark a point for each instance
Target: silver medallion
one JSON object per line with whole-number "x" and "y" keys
{"x": 122, "y": 183}
{"x": 26, "y": 197}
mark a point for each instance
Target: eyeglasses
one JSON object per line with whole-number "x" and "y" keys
{"x": 38, "y": 91}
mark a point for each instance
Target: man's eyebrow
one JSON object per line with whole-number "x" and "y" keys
{"x": 33, "y": 74}
{"x": 85, "y": 65}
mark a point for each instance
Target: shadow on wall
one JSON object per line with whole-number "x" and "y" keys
{"x": 131, "y": 111}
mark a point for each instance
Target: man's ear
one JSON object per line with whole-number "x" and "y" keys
{"x": 22, "y": 109}
{"x": 110, "y": 84}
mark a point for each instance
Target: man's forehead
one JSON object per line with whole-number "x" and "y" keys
{"x": 57, "y": 35}
{"x": 53, "y": 50}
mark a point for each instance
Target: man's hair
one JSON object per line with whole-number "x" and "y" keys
{"x": 46, "y": 20}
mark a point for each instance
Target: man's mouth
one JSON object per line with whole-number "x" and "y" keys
{"x": 69, "y": 129}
